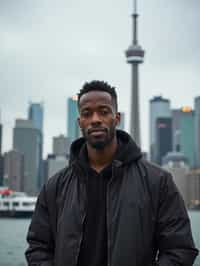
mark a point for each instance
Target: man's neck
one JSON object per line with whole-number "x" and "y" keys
{"x": 99, "y": 159}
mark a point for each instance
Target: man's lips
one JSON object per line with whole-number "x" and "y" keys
{"x": 97, "y": 132}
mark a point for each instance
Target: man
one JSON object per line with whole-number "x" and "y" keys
{"x": 110, "y": 207}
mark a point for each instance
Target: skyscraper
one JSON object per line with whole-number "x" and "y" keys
{"x": 194, "y": 188}
{"x": 0, "y": 137}
{"x": 177, "y": 164}
{"x": 159, "y": 107}
{"x": 14, "y": 170}
{"x": 176, "y": 118}
{"x": 187, "y": 135}
{"x": 61, "y": 146}
{"x": 184, "y": 133}
{"x": 1, "y": 169}
{"x": 1, "y": 156}
{"x": 27, "y": 141}
{"x": 36, "y": 115}
{"x": 55, "y": 164}
{"x": 163, "y": 138}
{"x": 135, "y": 56}
{"x": 73, "y": 131}
{"x": 122, "y": 121}
{"x": 197, "y": 131}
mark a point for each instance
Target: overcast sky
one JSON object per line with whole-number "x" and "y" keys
{"x": 48, "y": 49}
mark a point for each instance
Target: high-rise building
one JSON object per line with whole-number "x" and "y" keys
{"x": 163, "y": 138}
{"x": 135, "y": 56}
{"x": 159, "y": 107}
{"x": 55, "y": 164}
{"x": 184, "y": 132}
{"x": 36, "y": 115}
{"x": 45, "y": 170}
{"x": 61, "y": 145}
{"x": 187, "y": 143}
{"x": 14, "y": 170}
{"x": 197, "y": 131}
{"x": 177, "y": 164}
{"x": 27, "y": 141}
{"x": 122, "y": 121}
{"x": 1, "y": 169}
{"x": 0, "y": 138}
{"x": 73, "y": 130}
{"x": 176, "y": 118}
{"x": 1, "y": 156}
{"x": 194, "y": 188}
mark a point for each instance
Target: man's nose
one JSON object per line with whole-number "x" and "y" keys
{"x": 95, "y": 118}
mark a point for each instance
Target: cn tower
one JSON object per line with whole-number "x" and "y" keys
{"x": 135, "y": 56}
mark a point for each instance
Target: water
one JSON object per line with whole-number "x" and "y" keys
{"x": 13, "y": 239}
{"x": 195, "y": 223}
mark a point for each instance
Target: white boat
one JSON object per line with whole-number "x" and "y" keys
{"x": 16, "y": 204}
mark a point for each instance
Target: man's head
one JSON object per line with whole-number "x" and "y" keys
{"x": 97, "y": 104}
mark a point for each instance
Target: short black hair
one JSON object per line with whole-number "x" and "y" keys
{"x": 97, "y": 85}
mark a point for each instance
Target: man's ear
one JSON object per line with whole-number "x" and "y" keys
{"x": 118, "y": 118}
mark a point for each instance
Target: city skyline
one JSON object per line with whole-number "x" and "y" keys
{"x": 50, "y": 51}
{"x": 162, "y": 109}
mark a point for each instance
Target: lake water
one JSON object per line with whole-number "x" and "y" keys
{"x": 13, "y": 239}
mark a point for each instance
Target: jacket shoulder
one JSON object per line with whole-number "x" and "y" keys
{"x": 54, "y": 183}
{"x": 156, "y": 180}
{"x": 154, "y": 172}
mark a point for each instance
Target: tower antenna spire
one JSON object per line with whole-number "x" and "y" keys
{"x": 135, "y": 26}
{"x": 135, "y": 6}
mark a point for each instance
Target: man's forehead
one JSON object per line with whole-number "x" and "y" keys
{"x": 95, "y": 96}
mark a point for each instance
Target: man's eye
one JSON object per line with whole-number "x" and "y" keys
{"x": 104, "y": 112}
{"x": 85, "y": 113}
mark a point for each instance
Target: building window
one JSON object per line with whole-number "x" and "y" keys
{"x": 28, "y": 203}
{"x": 15, "y": 204}
{"x": 6, "y": 203}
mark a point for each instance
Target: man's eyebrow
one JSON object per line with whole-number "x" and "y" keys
{"x": 104, "y": 105}
{"x": 84, "y": 108}
{"x": 86, "y": 105}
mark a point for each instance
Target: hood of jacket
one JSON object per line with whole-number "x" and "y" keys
{"x": 127, "y": 150}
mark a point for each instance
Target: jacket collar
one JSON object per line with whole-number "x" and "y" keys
{"x": 127, "y": 151}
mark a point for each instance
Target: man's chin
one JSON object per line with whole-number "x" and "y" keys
{"x": 98, "y": 145}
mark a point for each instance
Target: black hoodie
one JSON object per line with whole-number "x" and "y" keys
{"x": 93, "y": 250}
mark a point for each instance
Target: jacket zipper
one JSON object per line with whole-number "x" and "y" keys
{"x": 82, "y": 222}
{"x": 107, "y": 217}
{"x": 80, "y": 239}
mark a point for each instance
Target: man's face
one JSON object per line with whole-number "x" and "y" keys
{"x": 98, "y": 118}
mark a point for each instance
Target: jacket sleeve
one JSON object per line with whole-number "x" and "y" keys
{"x": 40, "y": 251}
{"x": 174, "y": 237}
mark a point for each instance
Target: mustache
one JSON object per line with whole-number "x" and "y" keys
{"x": 93, "y": 129}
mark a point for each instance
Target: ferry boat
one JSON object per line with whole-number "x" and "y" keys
{"x": 16, "y": 204}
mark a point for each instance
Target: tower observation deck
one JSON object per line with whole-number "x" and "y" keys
{"x": 135, "y": 56}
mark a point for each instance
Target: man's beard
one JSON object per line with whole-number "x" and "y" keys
{"x": 100, "y": 144}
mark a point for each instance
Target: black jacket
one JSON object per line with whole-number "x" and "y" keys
{"x": 147, "y": 223}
